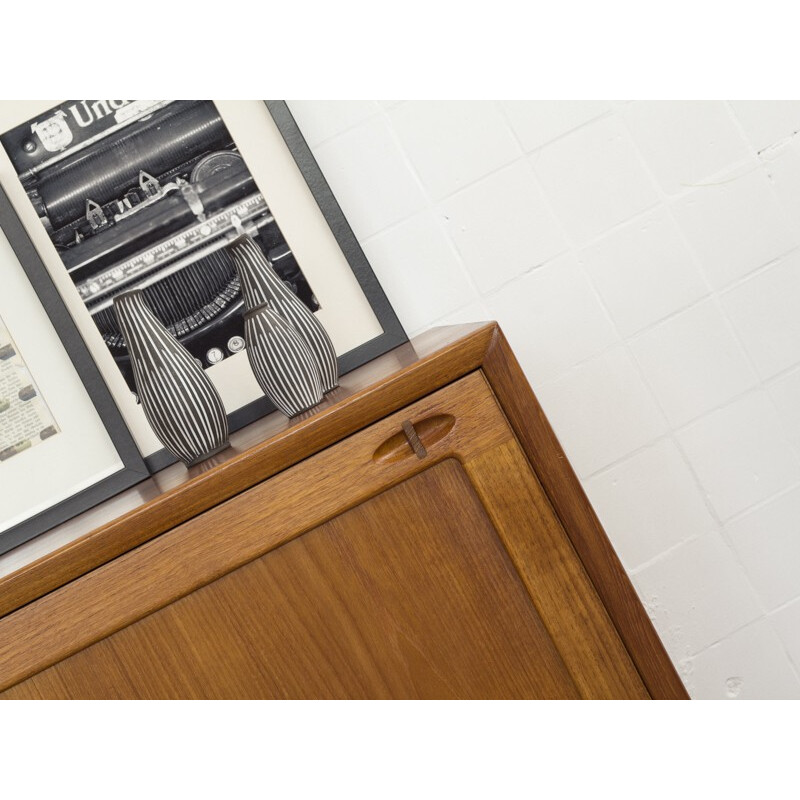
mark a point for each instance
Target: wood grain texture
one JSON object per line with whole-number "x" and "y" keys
{"x": 562, "y": 592}
{"x": 564, "y": 490}
{"x": 168, "y": 574}
{"x": 235, "y": 532}
{"x": 387, "y": 600}
{"x": 262, "y": 449}
{"x": 181, "y": 518}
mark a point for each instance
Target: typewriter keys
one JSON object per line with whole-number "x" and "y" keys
{"x": 141, "y": 195}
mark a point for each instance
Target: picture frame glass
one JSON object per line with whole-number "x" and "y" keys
{"x": 76, "y": 221}
{"x": 76, "y": 451}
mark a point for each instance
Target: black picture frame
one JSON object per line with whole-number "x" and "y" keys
{"x": 393, "y": 333}
{"x": 296, "y": 156}
{"x": 134, "y": 469}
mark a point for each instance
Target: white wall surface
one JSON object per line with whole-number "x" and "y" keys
{"x": 643, "y": 260}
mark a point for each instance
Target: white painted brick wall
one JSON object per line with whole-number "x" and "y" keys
{"x": 643, "y": 259}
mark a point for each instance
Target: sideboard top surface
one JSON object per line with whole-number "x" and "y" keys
{"x": 258, "y": 451}
{"x": 275, "y": 443}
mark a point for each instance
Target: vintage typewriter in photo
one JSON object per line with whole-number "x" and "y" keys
{"x": 146, "y": 194}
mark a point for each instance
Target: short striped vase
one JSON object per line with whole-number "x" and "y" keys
{"x": 177, "y": 397}
{"x": 281, "y": 361}
{"x": 261, "y": 284}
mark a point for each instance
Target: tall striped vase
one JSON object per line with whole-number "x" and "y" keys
{"x": 261, "y": 284}
{"x": 281, "y": 361}
{"x": 178, "y": 398}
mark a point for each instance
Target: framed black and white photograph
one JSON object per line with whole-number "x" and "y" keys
{"x": 146, "y": 194}
{"x": 64, "y": 446}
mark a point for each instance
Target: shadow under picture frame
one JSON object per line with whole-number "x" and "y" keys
{"x": 64, "y": 446}
{"x": 141, "y": 194}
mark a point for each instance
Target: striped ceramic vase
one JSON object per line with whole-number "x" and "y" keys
{"x": 261, "y": 284}
{"x": 178, "y": 398}
{"x": 281, "y": 361}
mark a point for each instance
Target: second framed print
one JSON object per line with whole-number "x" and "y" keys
{"x": 123, "y": 194}
{"x": 64, "y": 447}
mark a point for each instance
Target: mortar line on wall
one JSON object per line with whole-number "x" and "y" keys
{"x": 751, "y": 276}
{"x": 637, "y": 366}
{"x": 434, "y": 209}
{"x": 690, "y": 423}
{"x": 670, "y": 434}
{"x": 315, "y": 150}
{"x": 738, "y": 629}
{"x": 765, "y": 619}
{"x": 427, "y": 208}
{"x": 714, "y": 294}
{"x": 759, "y": 270}
{"x": 365, "y": 240}
{"x": 435, "y": 201}
{"x": 599, "y": 473}
{"x": 623, "y": 341}
{"x": 432, "y": 206}
{"x": 784, "y": 373}
{"x": 350, "y": 127}
{"x": 783, "y": 606}
{"x": 718, "y": 524}
{"x": 522, "y": 157}
{"x": 504, "y": 114}
{"x": 664, "y": 554}
{"x": 761, "y": 383}
{"x": 692, "y": 304}
{"x": 462, "y": 307}
{"x": 711, "y": 292}
{"x": 526, "y": 155}
{"x": 602, "y": 115}
{"x": 668, "y": 202}
{"x": 765, "y": 383}
{"x": 771, "y": 622}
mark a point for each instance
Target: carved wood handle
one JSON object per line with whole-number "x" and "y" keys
{"x": 415, "y": 439}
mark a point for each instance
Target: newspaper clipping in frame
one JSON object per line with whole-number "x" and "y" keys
{"x": 25, "y": 419}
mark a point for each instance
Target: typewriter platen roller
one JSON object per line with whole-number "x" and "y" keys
{"x": 146, "y": 194}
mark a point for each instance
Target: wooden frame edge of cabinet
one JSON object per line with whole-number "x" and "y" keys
{"x": 580, "y": 522}
{"x": 427, "y": 363}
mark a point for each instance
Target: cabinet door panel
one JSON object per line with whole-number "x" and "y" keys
{"x": 368, "y": 570}
{"x": 410, "y": 594}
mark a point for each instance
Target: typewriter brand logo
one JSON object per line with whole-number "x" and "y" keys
{"x": 54, "y": 132}
{"x": 88, "y": 112}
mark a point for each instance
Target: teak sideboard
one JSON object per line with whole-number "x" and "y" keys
{"x": 419, "y": 535}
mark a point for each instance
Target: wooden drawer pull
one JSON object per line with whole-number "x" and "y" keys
{"x": 415, "y": 438}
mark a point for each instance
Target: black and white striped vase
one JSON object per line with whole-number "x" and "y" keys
{"x": 281, "y": 361}
{"x": 178, "y": 398}
{"x": 261, "y": 284}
